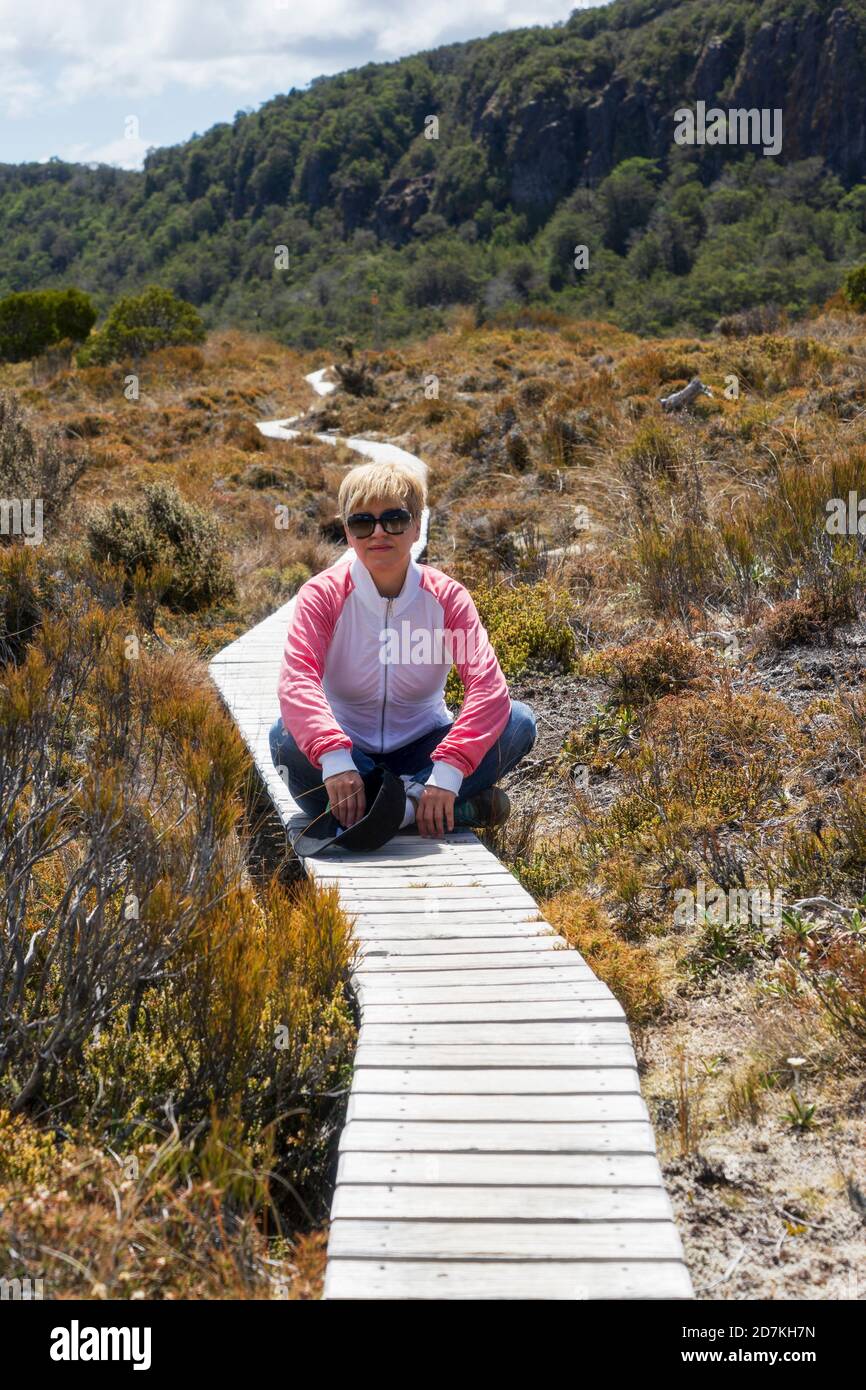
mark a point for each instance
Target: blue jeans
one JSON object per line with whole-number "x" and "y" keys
{"x": 305, "y": 781}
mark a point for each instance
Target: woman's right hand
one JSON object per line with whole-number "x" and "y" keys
{"x": 346, "y": 795}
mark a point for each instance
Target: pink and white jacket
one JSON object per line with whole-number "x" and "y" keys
{"x": 360, "y": 669}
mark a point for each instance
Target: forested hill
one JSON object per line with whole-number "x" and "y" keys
{"x": 548, "y": 138}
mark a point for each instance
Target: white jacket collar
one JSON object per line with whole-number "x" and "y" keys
{"x": 369, "y": 594}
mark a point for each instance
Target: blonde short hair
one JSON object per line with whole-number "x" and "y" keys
{"x": 373, "y": 482}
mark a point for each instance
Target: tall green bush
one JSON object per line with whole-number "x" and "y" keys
{"x": 138, "y": 324}
{"x": 35, "y": 319}
{"x": 855, "y": 288}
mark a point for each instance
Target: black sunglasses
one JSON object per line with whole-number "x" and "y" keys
{"x": 363, "y": 524}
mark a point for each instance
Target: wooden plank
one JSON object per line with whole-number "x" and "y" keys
{"x": 417, "y": 851}
{"x": 514, "y": 1109}
{"x": 420, "y": 1136}
{"x": 482, "y": 1170}
{"x": 427, "y": 902}
{"x": 492, "y": 1034}
{"x": 439, "y": 1202}
{"x": 377, "y": 929}
{"x": 370, "y": 909}
{"x": 399, "y": 875}
{"x": 490, "y": 1240}
{"x": 525, "y": 951}
{"x": 499, "y": 982}
{"x": 463, "y": 990}
{"x": 497, "y": 1011}
{"x": 488, "y": 916}
{"x": 428, "y": 970}
{"x": 503, "y": 952}
{"x": 406, "y": 898}
{"x": 516, "y": 1081}
{"x": 513, "y": 1054}
{"x": 507, "y": 1279}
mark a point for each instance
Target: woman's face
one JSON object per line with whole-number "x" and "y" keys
{"x": 386, "y": 557}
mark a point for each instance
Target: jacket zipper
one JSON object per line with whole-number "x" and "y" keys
{"x": 385, "y": 689}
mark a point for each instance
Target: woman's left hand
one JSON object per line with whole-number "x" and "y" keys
{"x": 434, "y": 814}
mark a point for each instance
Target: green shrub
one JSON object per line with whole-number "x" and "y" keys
{"x": 34, "y": 320}
{"x": 26, "y": 326}
{"x": 528, "y": 628}
{"x": 142, "y": 323}
{"x": 855, "y": 288}
{"x": 283, "y": 583}
{"x": 74, "y": 314}
{"x": 164, "y": 534}
{"x": 439, "y": 282}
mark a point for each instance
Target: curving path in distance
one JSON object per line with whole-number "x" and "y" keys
{"x": 370, "y": 448}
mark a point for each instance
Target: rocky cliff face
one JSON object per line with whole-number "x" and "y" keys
{"x": 813, "y": 69}
{"x": 810, "y": 66}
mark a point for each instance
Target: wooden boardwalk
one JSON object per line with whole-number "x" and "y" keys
{"x": 497, "y": 1144}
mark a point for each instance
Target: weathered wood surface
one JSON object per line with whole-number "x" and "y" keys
{"x": 679, "y": 399}
{"x": 496, "y": 1143}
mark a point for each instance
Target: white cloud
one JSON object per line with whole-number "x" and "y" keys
{"x": 20, "y": 91}
{"x": 68, "y": 67}
{"x": 68, "y": 49}
{"x": 126, "y": 153}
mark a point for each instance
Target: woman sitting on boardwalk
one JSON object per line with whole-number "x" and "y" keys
{"x": 368, "y": 651}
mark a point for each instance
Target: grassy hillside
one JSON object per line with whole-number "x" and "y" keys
{"x": 547, "y": 138}
{"x": 663, "y": 590}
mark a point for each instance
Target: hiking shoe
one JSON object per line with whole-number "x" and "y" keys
{"x": 490, "y": 807}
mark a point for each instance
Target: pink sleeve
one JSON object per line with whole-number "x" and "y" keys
{"x": 486, "y": 706}
{"x": 304, "y": 706}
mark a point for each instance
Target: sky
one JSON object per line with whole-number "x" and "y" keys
{"x": 104, "y": 80}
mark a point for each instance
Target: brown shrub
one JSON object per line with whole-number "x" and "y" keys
{"x": 654, "y": 666}
{"x": 628, "y": 970}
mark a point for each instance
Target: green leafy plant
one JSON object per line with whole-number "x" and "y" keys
{"x": 34, "y": 320}
{"x": 528, "y": 629}
{"x": 801, "y": 1116}
{"x": 142, "y": 323}
{"x": 855, "y": 288}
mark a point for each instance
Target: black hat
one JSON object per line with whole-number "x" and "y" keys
{"x": 385, "y": 797}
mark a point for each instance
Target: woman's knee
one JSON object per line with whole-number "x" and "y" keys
{"x": 285, "y": 751}
{"x": 281, "y": 742}
{"x": 525, "y": 726}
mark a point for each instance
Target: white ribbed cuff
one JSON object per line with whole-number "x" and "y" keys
{"x": 337, "y": 760}
{"x": 446, "y": 776}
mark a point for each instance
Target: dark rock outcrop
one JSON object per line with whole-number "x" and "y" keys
{"x": 400, "y": 206}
